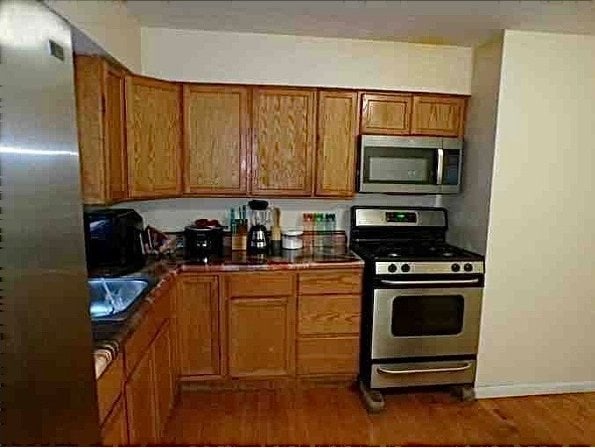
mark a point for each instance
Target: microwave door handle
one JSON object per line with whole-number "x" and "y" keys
{"x": 440, "y": 167}
{"x": 471, "y": 281}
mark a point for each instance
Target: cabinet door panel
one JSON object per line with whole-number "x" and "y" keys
{"x": 197, "y": 314}
{"x": 115, "y": 133}
{"x": 386, "y": 114}
{"x": 89, "y": 109}
{"x": 216, "y": 139}
{"x": 164, "y": 381}
{"x": 284, "y": 131}
{"x": 153, "y": 125}
{"x": 261, "y": 337}
{"x": 140, "y": 403}
{"x": 114, "y": 431}
{"x": 337, "y": 132}
{"x": 438, "y": 115}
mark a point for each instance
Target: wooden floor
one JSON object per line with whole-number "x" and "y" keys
{"x": 333, "y": 416}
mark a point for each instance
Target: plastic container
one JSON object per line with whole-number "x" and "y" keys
{"x": 292, "y": 239}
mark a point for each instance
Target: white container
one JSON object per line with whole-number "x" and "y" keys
{"x": 292, "y": 239}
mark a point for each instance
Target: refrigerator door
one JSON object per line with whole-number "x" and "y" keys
{"x": 48, "y": 394}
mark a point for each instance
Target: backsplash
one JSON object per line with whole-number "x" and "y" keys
{"x": 172, "y": 215}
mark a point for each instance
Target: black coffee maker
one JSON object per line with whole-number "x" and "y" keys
{"x": 258, "y": 241}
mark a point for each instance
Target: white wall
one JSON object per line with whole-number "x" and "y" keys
{"x": 108, "y": 23}
{"x": 188, "y": 55}
{"x": 539, "y": 306}
{"x": 469, "y": 211}
{"x": 173, "y": 214}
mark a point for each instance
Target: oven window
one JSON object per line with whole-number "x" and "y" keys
{"x": 399, "y": 165}
{"x": 427, "y": 315}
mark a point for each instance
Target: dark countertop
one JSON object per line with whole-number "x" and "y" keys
{"x": 109, "y": 337}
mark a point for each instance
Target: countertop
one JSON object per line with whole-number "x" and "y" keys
{"x": 109, "y": 337}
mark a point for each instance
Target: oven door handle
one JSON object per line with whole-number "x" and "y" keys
{"x": 460, "y": 368}
{"x": 472, "y": 281}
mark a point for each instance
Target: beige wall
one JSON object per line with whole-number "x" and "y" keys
{"x": 539, "y": 310}
{"x": 108, "y": 24}
{"x": 188, "y": 55}
{"x": 469, "y": 210}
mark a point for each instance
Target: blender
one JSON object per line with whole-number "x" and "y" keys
{"x": 258, "y": 238}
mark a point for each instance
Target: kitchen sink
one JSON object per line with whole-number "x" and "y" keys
{"x": 116, "y": 299}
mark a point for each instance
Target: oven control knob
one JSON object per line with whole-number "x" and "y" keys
{"x": 392, "y": 268}
{"x": 468, "y": 267}
{"x": 405, "y": 268}
{"x": 456, "y": 267}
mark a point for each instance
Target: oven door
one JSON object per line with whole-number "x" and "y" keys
{"x": 431, "y": 321}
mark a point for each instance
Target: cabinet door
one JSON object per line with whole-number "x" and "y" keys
{"x": 89, "y": 108}
{"x": 283, "y": 138}
{"x": 216, "y": 139}
{"x": 153, "y": 137}
{"x": 140, "y": 403}
{"x": 438, "y": 115}
{"x": 114, "y": 431}
{"x": 115, "y": 140}
{"x": 261, "y": 334}
{"x": 197, "y": 314}
{"x": 337, "y": 133}
{"x": 385, "y": 114}
{"x": 164, "y": 379}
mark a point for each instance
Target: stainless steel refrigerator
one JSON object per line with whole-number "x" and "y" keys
{"x": 47, "y": 395}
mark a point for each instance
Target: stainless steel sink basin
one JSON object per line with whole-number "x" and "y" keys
{"x": 115, "y": 299}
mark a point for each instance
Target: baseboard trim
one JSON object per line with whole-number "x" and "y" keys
{"x": 516, "y": 390}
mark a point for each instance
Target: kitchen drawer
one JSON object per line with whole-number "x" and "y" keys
{"x": 331, "y": 355}
{"x": 260, "y": 284}
{"x": 330, "y": 314}
{"x": 331, "y": 282}
{"x": 109, "y": 387}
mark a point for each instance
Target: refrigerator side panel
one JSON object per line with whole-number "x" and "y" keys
{"x": 49, "y": 396}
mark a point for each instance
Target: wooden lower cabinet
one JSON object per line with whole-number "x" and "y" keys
{"x": 197, "y": 321}
{"x": 163, "y": 376}
{"x": 328, "y": 355}
{"x": 261, "y": 336}
{"x": 114, "y": 431}
{"x": 141, "y": 404}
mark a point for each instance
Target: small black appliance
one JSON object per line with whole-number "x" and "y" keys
{"x": 114, "y": 241}
{"x": 202, "y": 243}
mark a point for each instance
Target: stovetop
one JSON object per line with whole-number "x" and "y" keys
{"x": 412, "y": 251}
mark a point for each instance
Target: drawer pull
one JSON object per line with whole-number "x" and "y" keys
{"x": 460, "y": 368}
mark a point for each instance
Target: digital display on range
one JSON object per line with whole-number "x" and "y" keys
{"x": 408, "y": 217}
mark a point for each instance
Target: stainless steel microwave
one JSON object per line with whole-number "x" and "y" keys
{"x": 426, "y": 165}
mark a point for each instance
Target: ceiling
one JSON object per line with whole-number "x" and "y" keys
{"x": 466, "y": 23}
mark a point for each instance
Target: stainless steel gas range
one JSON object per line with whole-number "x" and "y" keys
{"x": 422, "y": 299}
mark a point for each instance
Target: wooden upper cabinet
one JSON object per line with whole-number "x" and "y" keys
{"x": 284, "y": 129}
{"x": 439, "y": 115}
{"x": 154, "y": 134}
{"x": 197, "y": 321}
{"x": 100, "y": 119}
{"x": 261, "y": 336}
{"x": 216, "y": 139}
{"x": 115, "y": 133}
{"x": 387, "y": 113}
{"x": 336, "y": 149}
